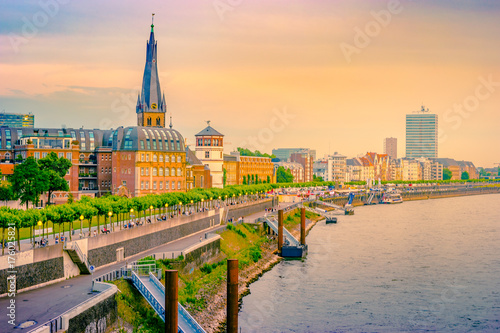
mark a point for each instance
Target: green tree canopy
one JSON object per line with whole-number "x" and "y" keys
{"x": 28, "y": 181}
{"x": 56, "y": 168}
{"x": 465, "y": 175}
{"x": 283, "y": 175}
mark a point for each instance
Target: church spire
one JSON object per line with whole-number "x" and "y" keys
{"x": 151, "y": 107}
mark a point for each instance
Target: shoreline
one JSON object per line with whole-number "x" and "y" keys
{"x": 213, "y": 317}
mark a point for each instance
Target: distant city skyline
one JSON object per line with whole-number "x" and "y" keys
{"x": 330, "y": 76}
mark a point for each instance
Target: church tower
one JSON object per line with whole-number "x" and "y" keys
{"x": 151, "y": 107}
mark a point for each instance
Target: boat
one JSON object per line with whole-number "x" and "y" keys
{"x": 392, "y": 198}
{"x": 331, "y": 220}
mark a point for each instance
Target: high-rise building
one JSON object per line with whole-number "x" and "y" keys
{"x": 391, "y": 147}
{"x": 422, "y": 134}
{"x": 17, "y": 120}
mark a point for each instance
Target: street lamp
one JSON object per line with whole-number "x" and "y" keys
{"x": 202, "y": 203}
{"x": 81, "y": 224}
{"x": 180, "y": 204}
{"x": 39, "y": 224}
{"x": 150, "y": 212}
{"x": 166, "y": 206}
{"x": 110, "y": 214}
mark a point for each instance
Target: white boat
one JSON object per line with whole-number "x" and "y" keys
{"x": 392, "y": 198}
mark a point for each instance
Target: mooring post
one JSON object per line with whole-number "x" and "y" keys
{"x": 303, "y": 226}
{"x": 280, "y": 230}
{"x": 171, "y": 301}
{"x": 232, "y": 296}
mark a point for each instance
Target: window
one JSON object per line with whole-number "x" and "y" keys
{"x": 142, "y": 185}
{"x": 207, "y": 154}
{"x": 155, "y": 172}
{"x": 142, "y": 157}
{"x": 44, "y": 154}
{"x": 142, "y": 144}
{"x": 173, "y": 185}
{"x": 147, "y": 171}
{"x": 172, "y": 172}
{"x": 160, "y": 172}
{"x": 102, "y": 170}
{"x": 179, "y": 172}
{"x": 199, "y": 142}
{"x": 167, "y": 172}
{"x": 124, "y": 182}
{"x": 69, "y": 156}
{"x": 147, "y": 185}
{"x": 82, "y": 140}
{"x": 154, "y": 185}
{"x": 161, "y": 157}
{"x": 155, "y": 158}
{"x": 61, "y": 155}
{"x": 129, "y": 171}
{"x": 179, "y": 159}
{"x": 179, "y": 185}
{"x": 161, "y": 185}
{"x": 36, "y": 155}
{"x": 166, "y": 185}
{"x": 167, "y": 159}
{"x": 147, "y": 157}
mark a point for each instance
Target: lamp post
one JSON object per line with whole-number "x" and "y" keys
{"x": 110, "y": 223}
{"x": 151, "y": 212}
{"x": 202, "y": 203}
{"x": 39, "y": 223}
{"x": 210, "y": 205}
{"x": 166, "y": 207}
{"x": 180, "y": 204}
{"x": 219, "y": 201}
{"x": 130, "y": 214}
{"x": 81, "y": 224}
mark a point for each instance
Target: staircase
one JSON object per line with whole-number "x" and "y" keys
{"x": 78, "y": 258}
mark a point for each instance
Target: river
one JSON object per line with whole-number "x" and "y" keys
{"x": 430, "y": 265}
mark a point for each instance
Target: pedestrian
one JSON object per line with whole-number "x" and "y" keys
{"x": 200, "y": 239}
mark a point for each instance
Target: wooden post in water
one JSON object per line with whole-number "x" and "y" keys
{"x": 232, "y": 296}
{"x": 171, "y": 301}
{"x": 280, "y": 230}
{"x": 303, "y": 226}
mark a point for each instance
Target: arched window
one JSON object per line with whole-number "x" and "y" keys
{"x": 179, "y": 172}
{"x": 160, "y": 171}
{"x": 158, "y": 121}
{"x": 167, "y": 172}
{"x": 167, "y": 159}
{"x": 155, "y": 172}
{"x": 172, "y": 171}
{"x": 149, "y": 121}
{"x": 179, "y": 159}
{"x": 161, "y": 158}
{"x": 155, "y": 158}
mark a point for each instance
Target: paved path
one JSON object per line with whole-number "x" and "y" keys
{"x": 46, "y": 303}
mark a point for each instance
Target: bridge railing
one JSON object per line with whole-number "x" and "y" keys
{"x": 160, "y": 310}
{"x": 190, "y": 320}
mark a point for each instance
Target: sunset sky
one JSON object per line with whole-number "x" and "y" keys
{"x": 328, "y": 75}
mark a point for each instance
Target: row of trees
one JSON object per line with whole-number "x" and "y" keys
{"x": 254, "y": 179}
{"x": 248, "y": 152}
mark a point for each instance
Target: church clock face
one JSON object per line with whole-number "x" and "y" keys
{"x": 153, "y": 106}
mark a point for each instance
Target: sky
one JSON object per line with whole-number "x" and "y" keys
{"x": 335, "y": 76}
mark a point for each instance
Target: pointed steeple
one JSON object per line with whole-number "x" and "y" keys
{"x": 150, "y": 99}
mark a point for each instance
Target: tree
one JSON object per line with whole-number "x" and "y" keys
{"x": 244, "y": 180}
{"x": 465, "y": 175}
{"x": 224, "y": 176}
{"x": 317, "y": 178}
{"x": 28, "y": 181}
{"x": 269, "y": 179}
{"x": 446, "y": 174}
{"x": 56, "y": 168}
{"x": 6, "y": 193}
{"x": 283, "y": 175}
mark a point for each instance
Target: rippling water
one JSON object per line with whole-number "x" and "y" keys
{"x": 431, "y": 265}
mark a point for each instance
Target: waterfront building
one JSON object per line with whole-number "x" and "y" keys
{"x": 422, "y": 134}
{"x": 353, "y": 170}
{"x": 458, "y": 167}
{"x": 320, "y": 168}
{"x": 209, "y": 150}
{"x": 17, "y": 120}
{"x": 391, "y": 147}
{"x": 306, "y": 160}
{"x": 238, "y": 168}
{"x": 411, "y": 169}
{"x": 331, "y": 168}
{"x": 130, "y": 161}
{"x": 380, "y": 164}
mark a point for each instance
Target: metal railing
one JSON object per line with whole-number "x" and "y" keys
{"x": 160, "y": 310}
{"x": 274, "y": 225}
{"x": 81, "y": 255}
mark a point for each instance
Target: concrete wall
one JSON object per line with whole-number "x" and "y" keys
{"x": 235, "y": 213}
{"x": 33, "y": 267}
{"x": 102, "y": 249}
{"x": 94, "y": 316}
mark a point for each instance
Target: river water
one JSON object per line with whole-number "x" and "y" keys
{"x": 431, "y": 265}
